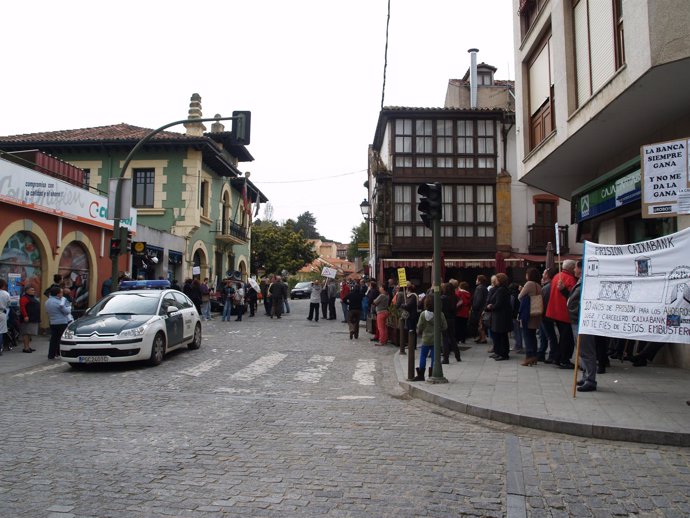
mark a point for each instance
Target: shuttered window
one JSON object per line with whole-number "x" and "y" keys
{"x": 595, "y": 32}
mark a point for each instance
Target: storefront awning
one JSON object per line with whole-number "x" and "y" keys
{"x": 450, "y": 263}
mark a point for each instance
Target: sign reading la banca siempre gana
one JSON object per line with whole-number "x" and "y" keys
{"x": 639, "y": 291}
{"x": 664, "y": 172}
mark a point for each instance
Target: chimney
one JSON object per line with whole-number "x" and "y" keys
{"x": 194, "y": 129}
{"x": 473, "y": 78}
{"x": 217, "y": 127}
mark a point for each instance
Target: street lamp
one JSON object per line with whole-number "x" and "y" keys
{"x": 240, "y": 118}
{"x": 364, "y": 207}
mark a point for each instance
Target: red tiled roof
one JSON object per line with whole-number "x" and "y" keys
{"x": 117, "y": 132}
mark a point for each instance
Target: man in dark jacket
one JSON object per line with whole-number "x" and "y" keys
{"x": 547, "y": 330}
{"x": 278, "y": 292}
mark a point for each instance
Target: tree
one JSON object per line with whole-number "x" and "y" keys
{"x": 360, "y": 234}
{"x": 276, "y": 248}
{"x": 306, "y": 222}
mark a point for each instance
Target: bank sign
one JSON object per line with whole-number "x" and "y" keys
{"x": 665, "y": 176}
{"x": 607, "y": 197}
{"x": 36, "y": 191}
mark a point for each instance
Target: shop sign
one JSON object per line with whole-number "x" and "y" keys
{"x": 665, "y": 171}
{"x": 609, "y": 196}
{"x": 36, "y": 191}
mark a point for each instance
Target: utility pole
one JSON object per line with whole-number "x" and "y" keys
{"x": 431, "y": 209}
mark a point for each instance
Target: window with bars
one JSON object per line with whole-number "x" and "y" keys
{"x": 143, "y": 181}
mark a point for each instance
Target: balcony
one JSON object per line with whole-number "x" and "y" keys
{"x": 229, "y": 231}
{"x": 540, "y": 235}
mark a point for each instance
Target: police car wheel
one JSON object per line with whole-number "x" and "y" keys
{"x": 157, "y": 349}
{"x": 196, "y": 342}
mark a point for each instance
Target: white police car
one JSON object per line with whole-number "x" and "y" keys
{"x": 133, "y": 324}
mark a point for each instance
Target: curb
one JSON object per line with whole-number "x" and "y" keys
{"x": 419, "y": 390}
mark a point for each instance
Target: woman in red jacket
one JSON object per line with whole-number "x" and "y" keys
{"x": 462, "y": 314}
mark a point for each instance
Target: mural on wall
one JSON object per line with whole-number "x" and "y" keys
{"x": 21, "y": 257}
{"x": 74, "y": 270}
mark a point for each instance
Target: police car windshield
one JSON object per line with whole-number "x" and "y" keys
{"x": 124, "y": 303}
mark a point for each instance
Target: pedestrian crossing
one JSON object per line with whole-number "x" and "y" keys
{"x": 312, "y": 371}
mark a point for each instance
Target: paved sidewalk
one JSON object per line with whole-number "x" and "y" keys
{"x": 641, "y": 404}
{"x": 16, "y": 360}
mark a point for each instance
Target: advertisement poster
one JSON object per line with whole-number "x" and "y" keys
{"x": 639, "y": 291}
{"x": 31, "y": 189}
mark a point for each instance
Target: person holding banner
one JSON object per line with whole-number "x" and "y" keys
{"x": 314, "y": 300}
{"x": 557, "y": 310}
{"x": 587, "y": 345}
{"x": 332, "y": 295}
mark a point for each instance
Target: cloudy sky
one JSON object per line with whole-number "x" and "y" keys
{"x": 310, "y": 71}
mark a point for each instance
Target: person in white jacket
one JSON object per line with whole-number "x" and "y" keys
{"x": 315, "y": 300}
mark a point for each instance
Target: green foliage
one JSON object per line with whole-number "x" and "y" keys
{"x": 306, "y": 222}
{"x": 276, "y": 248}
{"x": 360, "y": 234}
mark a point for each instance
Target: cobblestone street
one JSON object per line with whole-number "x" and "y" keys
{"x": 291, "y": 418}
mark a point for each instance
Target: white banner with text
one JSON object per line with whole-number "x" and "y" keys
{"x": 639, "y": 291}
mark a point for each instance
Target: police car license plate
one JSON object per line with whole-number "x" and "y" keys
{"x": 93, "y": 359}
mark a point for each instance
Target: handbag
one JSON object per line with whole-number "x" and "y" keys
{"x": 536, "y": 305}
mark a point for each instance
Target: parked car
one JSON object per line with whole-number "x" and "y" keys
{"x": 132, "y": 325}
{"x": 302, "y": 290}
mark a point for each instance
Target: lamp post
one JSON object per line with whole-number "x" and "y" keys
{"x": 364, "y": 207}
{"x": 119, "y": 231}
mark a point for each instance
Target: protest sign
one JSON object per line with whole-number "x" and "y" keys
{"x": 329, "y": 272}
{"x": 639, "y": 291}
{"x": 402, "y": 277}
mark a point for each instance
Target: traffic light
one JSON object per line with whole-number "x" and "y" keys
{"x": 431, "y": 202}
{"x": 115, "y": 247}
{"x": 241, "y": 127}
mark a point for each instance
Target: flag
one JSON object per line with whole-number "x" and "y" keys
{"x": 247, "y": 208}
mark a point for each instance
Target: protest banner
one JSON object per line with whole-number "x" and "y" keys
{"x": 402, "y": 277}
{"x": 639, "y": 291}
{"x": 329, "y": 272}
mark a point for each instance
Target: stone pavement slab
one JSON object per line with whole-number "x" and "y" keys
{"x": 640, "y": 404}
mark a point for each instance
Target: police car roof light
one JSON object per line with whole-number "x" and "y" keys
{"x": 144, "y": 285}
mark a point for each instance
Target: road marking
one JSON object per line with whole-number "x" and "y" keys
{"x": 40, "y": 369}
{"x": 364, "y": 372}
{"x": 259, "y": 367}
{"x": 314, "y": 372}
{"x": 204, "y": 366}
{"x": 352, "y": 398}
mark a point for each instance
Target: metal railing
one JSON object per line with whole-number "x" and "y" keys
{"x": 540, "y": 235}
{"x": 228, "y": 228}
